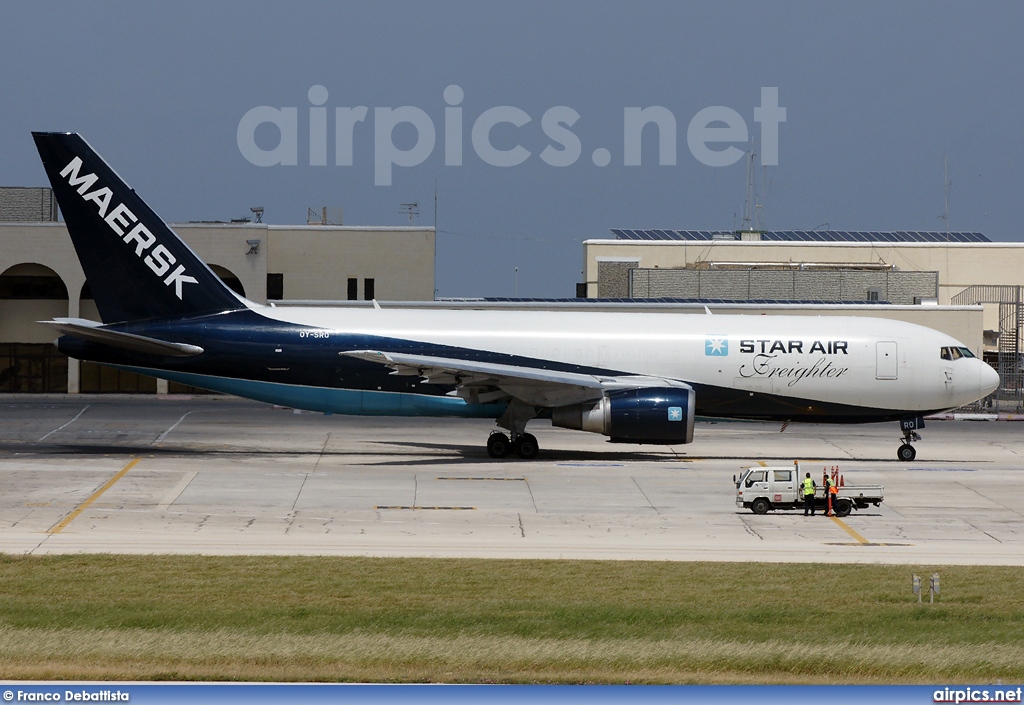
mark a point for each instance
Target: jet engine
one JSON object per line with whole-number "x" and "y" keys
{"x": 661, "y": 415}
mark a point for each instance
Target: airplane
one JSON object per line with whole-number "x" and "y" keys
{"x": 634, "y": 377}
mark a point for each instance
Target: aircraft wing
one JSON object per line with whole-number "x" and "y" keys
{"x": 96, "y": 333}
{"x": 488, "y": 381}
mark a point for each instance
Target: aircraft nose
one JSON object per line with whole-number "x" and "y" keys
{"x": 988, "y": 379}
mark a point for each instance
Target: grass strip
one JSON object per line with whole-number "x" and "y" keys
{"x": 424, "y": 620}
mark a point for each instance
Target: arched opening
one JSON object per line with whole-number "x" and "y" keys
{"x": 30, "y": 281}
{"x": 229, "y": 278}
{"x": 29, "y": 362}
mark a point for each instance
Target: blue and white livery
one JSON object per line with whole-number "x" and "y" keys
{"x": 634, "y": 377}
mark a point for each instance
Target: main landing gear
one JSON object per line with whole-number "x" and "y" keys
{"x": 906, "y": 452}
{"x": 524, "y": 445}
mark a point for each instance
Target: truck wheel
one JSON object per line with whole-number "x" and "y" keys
{"x": 760, "y": 506}
{"x": 843, "y": 507}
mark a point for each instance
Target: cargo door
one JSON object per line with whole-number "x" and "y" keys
{"x": 886, "y": 360}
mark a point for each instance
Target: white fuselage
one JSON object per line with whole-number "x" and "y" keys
{"x": 863, "y": 362}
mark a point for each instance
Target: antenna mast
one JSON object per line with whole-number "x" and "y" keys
{"x": 948, "y": 183}
{"x": 750, "y": 203}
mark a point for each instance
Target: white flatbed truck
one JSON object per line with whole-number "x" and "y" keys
{"x": 763, "y": 489}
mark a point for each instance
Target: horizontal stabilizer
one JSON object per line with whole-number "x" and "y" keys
{"x": 95, "y": 333}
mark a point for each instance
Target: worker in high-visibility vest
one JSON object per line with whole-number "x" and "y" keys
{"x": 830, "y": 488}
{"x": 809, "y": 488}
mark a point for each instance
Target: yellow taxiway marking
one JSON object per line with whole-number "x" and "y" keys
{"x": 95, "y": 495}
{"x": 762, "y": 463}
{"x": 842, "y": 524}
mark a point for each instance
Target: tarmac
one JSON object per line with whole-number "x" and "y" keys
{"x": 219, "y": 475}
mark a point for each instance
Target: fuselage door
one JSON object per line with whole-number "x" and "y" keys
{"x": 886, "y": 360}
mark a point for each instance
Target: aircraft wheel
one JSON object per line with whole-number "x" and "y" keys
{"x": 526, "y": 446}
{"x": 498, "y": 445}
{"x": 842, "y": 508}
{"x": 906, "y": 453}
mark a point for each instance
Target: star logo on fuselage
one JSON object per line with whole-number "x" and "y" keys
{"x": 716, "y": 347}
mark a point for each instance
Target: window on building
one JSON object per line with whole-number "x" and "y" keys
{"x": 275, "y": 286}
{"x": 102, "y": 379}
{"x": 368, "y": 289}
{"x": 353, "y": 288}
{"x": 874, "y": 294}
{"x": 32, "y": 367}
{"x": 32, "y": 287}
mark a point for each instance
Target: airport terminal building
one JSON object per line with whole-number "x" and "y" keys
{"x": 960, "y": 283}
{"x": 41, "y": 279}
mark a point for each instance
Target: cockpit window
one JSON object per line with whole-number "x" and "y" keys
{"x": 955, "y": 353}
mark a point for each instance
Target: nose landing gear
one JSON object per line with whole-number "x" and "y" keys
{"x": 906, "y": 452}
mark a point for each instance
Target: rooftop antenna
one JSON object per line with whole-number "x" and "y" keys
{"x": 410, "y": 209}
{"x": 761, "y": 225}
{"x": 747, "y": 214}
{"x": 948, "y": 183}
{"x": 322, "y": 218}
{"x": 751, "y": 214}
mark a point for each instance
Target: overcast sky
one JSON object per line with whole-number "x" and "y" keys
{"x": 876, "y": 96}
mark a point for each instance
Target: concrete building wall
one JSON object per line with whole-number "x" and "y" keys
{"x": 226, "y": 245}
{"x": 897, "y": 287}
{"x": 314, "y": 261}
{"x": 959, "y": 265}
{"x": 317, "y": 261}
{"x": 18, "y": 320}
{"x": 613, "y": 277}
{"x": 27, "y": 205}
